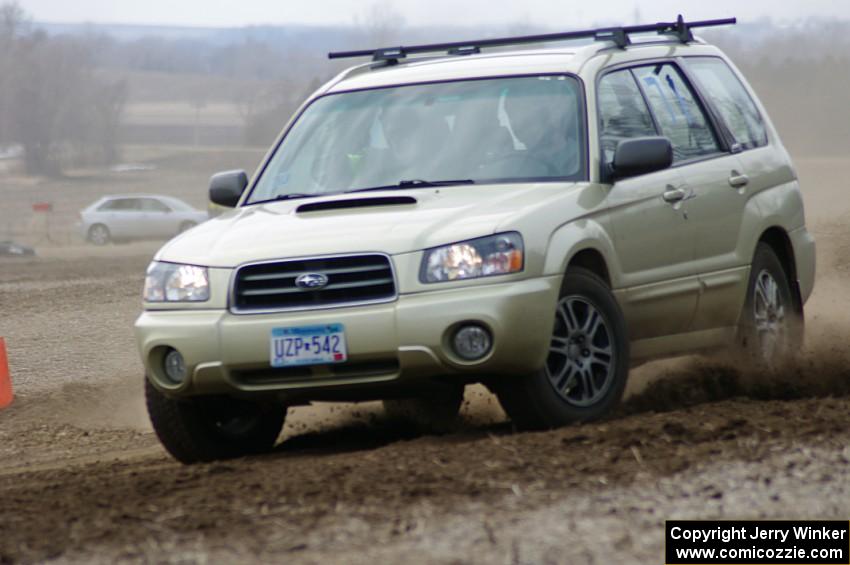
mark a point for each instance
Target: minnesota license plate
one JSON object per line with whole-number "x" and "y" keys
{"x": 308, "y": 345}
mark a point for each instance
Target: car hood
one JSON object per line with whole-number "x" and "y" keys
{"x": 391, "y": 221}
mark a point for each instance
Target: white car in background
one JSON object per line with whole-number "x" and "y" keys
{"x": 137, "y": 216}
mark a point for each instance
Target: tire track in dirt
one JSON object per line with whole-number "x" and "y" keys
{"x": 84, "y": 480}
{"x": 358, "y": 488}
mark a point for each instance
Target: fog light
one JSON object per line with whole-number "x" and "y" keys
{"x": 175, "y": 366}
{"x": 472, "y": 342}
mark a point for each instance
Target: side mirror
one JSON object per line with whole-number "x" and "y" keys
{"x": 226, "y": 188}
{"x": 641, "y": 155}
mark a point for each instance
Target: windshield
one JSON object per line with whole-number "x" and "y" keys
{"x": 494, "y": 130}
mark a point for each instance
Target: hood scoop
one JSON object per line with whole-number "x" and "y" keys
{"x": 355, "y": 203}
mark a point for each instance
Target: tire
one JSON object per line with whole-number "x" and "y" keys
{"x": 434, "y": 412}
{"x": 771, "y": 327}
{"x": 208, "y": 428}
{"x": 588, "y": 364}
{"x": 186, "y": 226}
{"x": 99, "y": 234}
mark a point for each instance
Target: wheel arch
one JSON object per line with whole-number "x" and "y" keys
{"x": 592, "y": 260}
{"x": 585, "y": 244}
{"x": 186, "y": 225}
{"x": 778, "y": 240}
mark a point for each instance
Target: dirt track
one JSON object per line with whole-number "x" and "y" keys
{"x": 83, "y": 479}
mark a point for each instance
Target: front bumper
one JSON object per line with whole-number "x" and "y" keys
{"x": 397, "y": 342}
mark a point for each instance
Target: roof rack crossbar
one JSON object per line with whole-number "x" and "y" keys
{"x": 619, "y": 35}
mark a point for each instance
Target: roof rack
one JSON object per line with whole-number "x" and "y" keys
{"x": 679, "y": 29}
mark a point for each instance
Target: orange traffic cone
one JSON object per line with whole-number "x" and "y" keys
{"x": 6, "y": 394}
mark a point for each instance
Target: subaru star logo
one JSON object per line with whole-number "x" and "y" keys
{"x": 311, "y": 281}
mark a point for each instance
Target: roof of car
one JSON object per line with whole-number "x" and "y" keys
{"x": 139, "y": 195}
{"x": 570, "y": 59}
{"x": 162, "y": 197}
{"x": 133, "y": 195}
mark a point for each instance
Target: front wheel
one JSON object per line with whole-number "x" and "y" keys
{"x": 99, "y": 235}
{"x": 771, "y": 328}
{"x": 207, "y": 428}
{"x": 588, "y": 363}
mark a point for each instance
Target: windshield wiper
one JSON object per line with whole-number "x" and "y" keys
{"x": 294, "y": 195}
{"x": 414, "y": 183}
{"x": 289, "y": 196}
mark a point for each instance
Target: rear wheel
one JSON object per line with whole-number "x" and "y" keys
{"x": 436, "y": 410}
{"x": 588, "y": 363}
{"x": 771, "y": 328}
{"x": 207, "y": 428}
{"x": 99, "y": 234}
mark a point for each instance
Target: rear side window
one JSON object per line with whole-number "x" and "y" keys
{"x": 151, "y": 205}
{"x": 623, "y": 114}
{"x": 118, "y": 205}
{"x": 730, "y": 99}
{"x": 677, "y": 112}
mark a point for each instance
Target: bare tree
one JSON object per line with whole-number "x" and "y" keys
{"x": 12, "y": 21}
{"x": 107, "y": 109}
{"x": 51, "y": 100}
{"x": 380, "y": 24}
{"x": 265, "y": 109}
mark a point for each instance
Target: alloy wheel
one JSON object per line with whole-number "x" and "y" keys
{"x": 581, "y": 362}
{"x": 99, "y": 235}
{"x": 769, "y": 315}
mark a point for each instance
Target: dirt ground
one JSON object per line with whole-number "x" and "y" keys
{"x": 83, "y": 479}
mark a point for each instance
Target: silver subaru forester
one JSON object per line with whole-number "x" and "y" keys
{"x": 534, "y": 220}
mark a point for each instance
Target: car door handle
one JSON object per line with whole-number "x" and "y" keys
{"x": 737, "y": 180}
{"x": 673, "y": 195}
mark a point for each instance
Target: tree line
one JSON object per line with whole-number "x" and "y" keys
{"x": 53, "y": 103}
{"x": 801, "y": 72}
{"x": 62, "y": 96}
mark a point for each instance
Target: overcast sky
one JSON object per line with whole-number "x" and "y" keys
{"x": 566, "y": 14}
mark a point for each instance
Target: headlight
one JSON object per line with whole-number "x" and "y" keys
{"x": 483, "y": 257}
{"x": 170, "y": 282}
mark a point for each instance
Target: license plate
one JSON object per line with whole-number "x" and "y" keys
{"x": 308, "y": 345}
